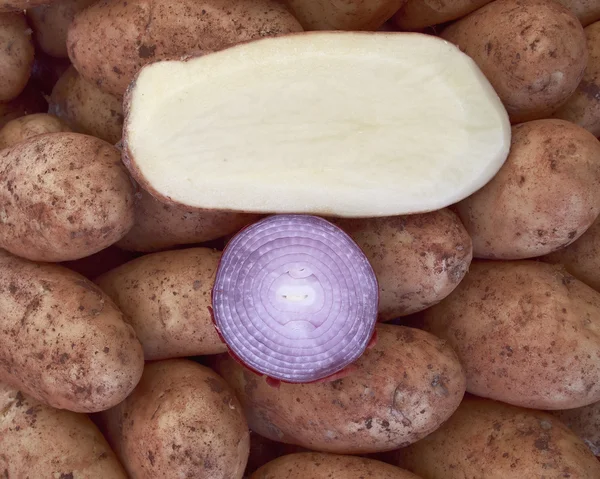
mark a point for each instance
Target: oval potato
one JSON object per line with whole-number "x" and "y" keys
{"x": 110, "y": 41}
{"x": 526, "y": 332}
{"x": 545, "y": 196}
{"x": 587, "y": 11}
{"x": 418, "y": 259}
{"x": 62, "y": 340}
{"x": 16, "y": 55}
{"x": 315, "y": 465}
{"x": 28, "y": 126}
{"x": 182, "y": 420}
{"x": 166, "y": 298}
{"x": 419, "y": 14}
{"x": 491, "y": 440}
{"x": 63, "y": 196}
{"x": 39, "y": 441}
{"x": 585, "y": 422}
{"x": 533, "y": 53}
{"x": 402, "y": 389}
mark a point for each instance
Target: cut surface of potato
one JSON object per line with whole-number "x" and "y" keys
{"x": 335, "y": 123}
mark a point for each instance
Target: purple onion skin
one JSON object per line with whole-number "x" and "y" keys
{"x": 366, "y": 317}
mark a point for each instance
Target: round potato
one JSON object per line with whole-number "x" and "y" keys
{"x": 51, "y": 22}
{"x": 28, "y": 126}
{"x": 159, "y": 226}
{"x": 402, "y": 389}
{"x": 110, "y": 41}
{"x": 419, "y": 14}
{"x": 533, "y": 53}
{"x": 585, "y": 422}
{"x": 588, "y": 11}
{"x": 182, "y": 420}
{"x": 527, "y": 333}
{"x": 167, "y": 298}
{"x": 16, "y": 55}
{"x": 583, "y": 107}
{"x": 39, "y": 441}
{"x": 493, "y": 440}
{"x": 63, "y": 196}
{"x": 545, "y": 196}
{"x": 418, "y": 259}
{"x": 315, "y": 465}
{"x": 63, "y": 340}
{"x": 85, "y": 108}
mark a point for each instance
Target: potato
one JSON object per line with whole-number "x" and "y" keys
{"x": 583, "y": 107}
{"x": 587, "y": 11}
{"x": 544, "y": 197}
{"x": 110, "y": 41}
{"x": 533, "y": 53}
{"x": 16, "y": 55}
{"x": 51, "y": 22}
{"x": 160, "y": 226}
{"x": 182, "y": 420}
{"x": 585, "y": 422}
{"x": 39, "y": 441}
{"x": 85, "y": 108}
{"x": 403, "y": 388}
{"x": 63, "y": 196}
{"x": 316, "y": 465}
{"x": 527, "y": 333}
{"x": 28, "y": 102}
{"x": 167, "y": 298}
{"x": 419, "y": 14}
{"x": 491, "y": 440}
{"x": 63, "y": 341}
{"x": 345, "y": 15}
{"x": 28, "y": 126}
{"x": 581, "y": 258}
{"x": 418, "y": 259}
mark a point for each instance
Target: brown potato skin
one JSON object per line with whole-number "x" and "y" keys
{"x": 16, "y": 55}
{"x": 345, "y": 15}
{"x": 418, "y": 259}
{"x": 403, "y": 388}
{"x": 315, "y": 465}
{"x": 491, "y": 440}
{"x": 166, "y": 298}
{"x": 63, "y": 196}
{"x": 419, "y": 14}
{"x": 28, "y": 126}
{"x": 583, "y": 107}
{"x": 110, "y": 41}
{"x": 587, "y": 11}
{"x": 182, "y": 420}
{"x": 585, "y": 422}
{"x": 527, "y": 333}
{"x": 85, "y": 108}
{"x": 533, "y": 53}
{"x": 51, "y": 22}
{"x": 31, "y": 100}
{"x": 39, "y": 441}
{"x": 159, "y": 226}
{"x": 545, "y": 196}
{"x": 62, "y": 340}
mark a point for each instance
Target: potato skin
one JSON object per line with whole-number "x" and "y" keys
{"x": 527, "y": 333}
{"x": 16, "y": 55}
{"x": 418, "y": 259}
{"x": 585, "y": 422}
{"x": 182, "y": 420}
{"x": 544, "y": 197}
{"x": 166, "y": 298}
{"x": 317, "y": 465}
{"x": 587, "y": 11}
{"x": 403, "y": 388}
{"x": 63, "y": 196}
{"x": 62, "y": 340}
{"x": 159, "y": 226}
{"x": 110, "y": 41}
{"x": 493, "y": 440}
{"x": 28, "y": 126}
{"x": 533, "y": 53}
{"x": 39, "y": 441}
{"x": 583, "y": 107}
{"x": 419, "y": 14}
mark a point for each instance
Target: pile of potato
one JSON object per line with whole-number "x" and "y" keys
{"x": 487, "y": 360}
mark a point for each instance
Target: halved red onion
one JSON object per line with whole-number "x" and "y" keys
{"x": 295, "y": 298}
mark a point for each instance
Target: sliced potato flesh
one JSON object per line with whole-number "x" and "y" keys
{"x": 332, "y": 123}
